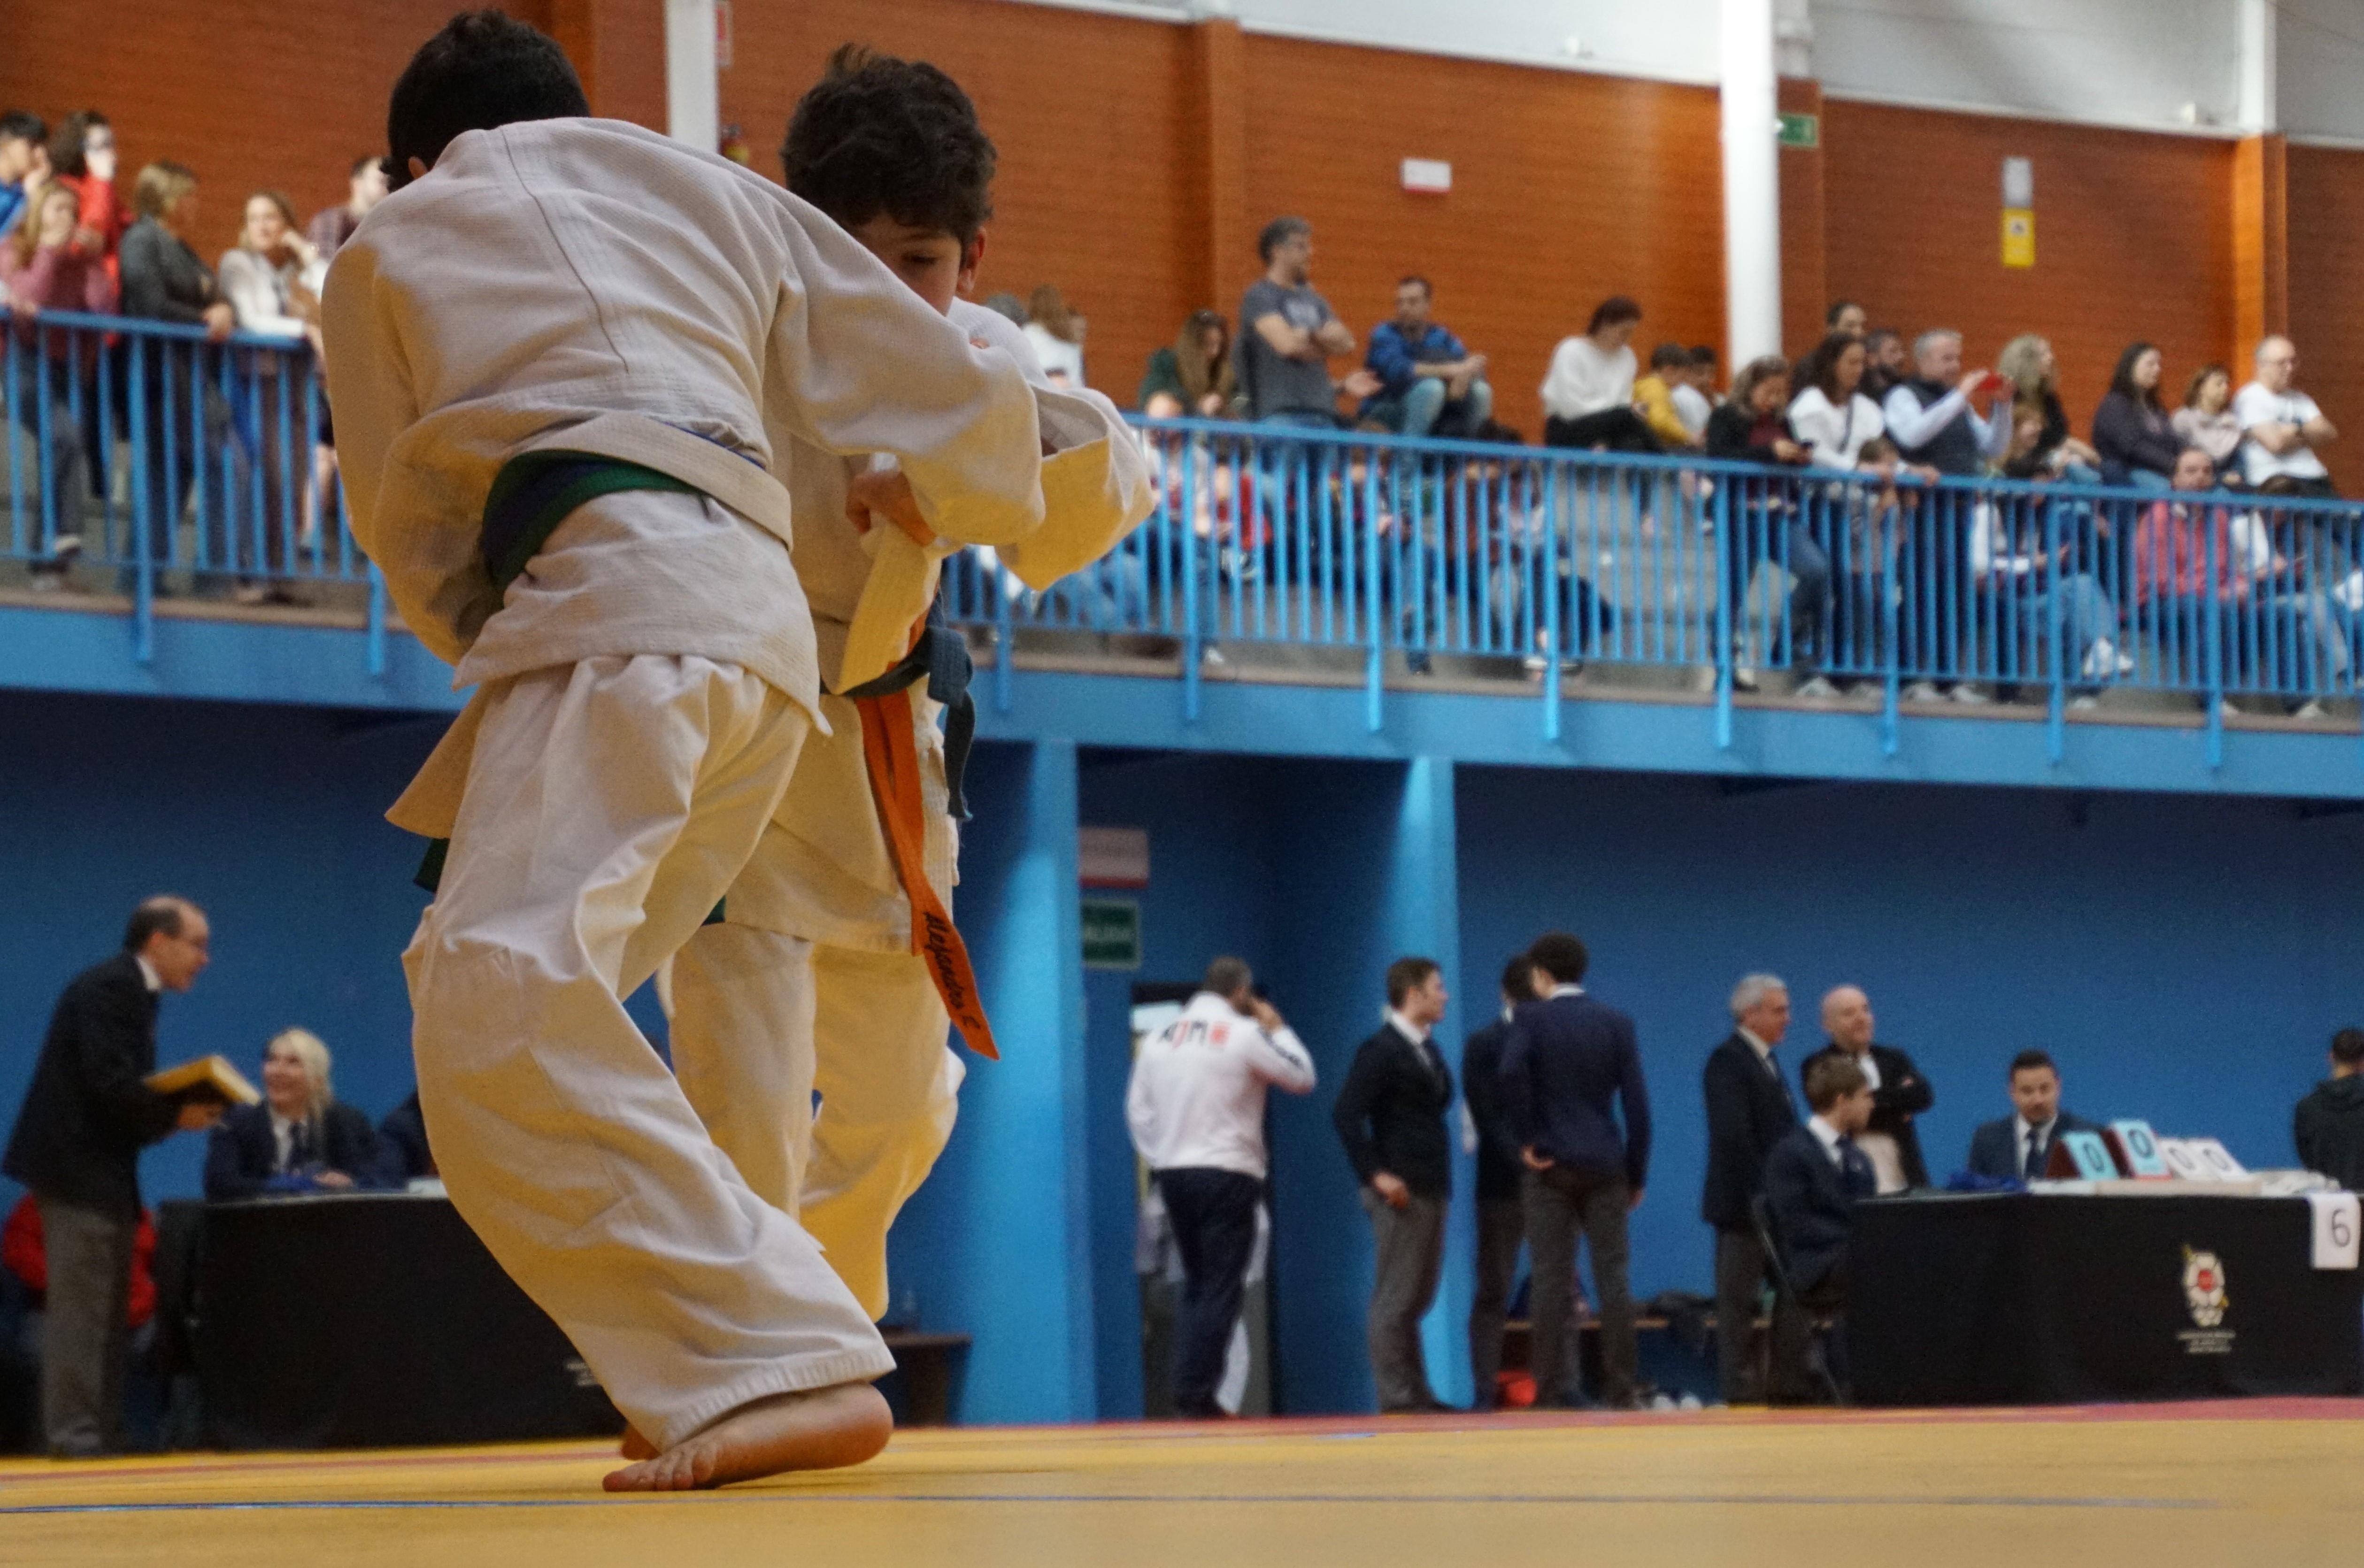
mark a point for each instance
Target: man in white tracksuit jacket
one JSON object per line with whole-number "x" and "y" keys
{"x": 1195, "y": 1109}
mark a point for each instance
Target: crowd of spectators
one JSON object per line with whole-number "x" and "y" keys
{"x": 69, "y": 242}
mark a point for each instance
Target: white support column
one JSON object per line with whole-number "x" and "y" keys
{"x": 2258, "y": 114}
{"x": 693, "y": 101}
{"x": 1752, "y": 189}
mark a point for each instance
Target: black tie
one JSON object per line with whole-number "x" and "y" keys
{"x": 299, "y": 1150}
{"x": 2035, "y": 1167}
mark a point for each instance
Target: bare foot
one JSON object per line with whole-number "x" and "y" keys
{"x": 819, "y": 1429}
{"x": 635, "y": 1446}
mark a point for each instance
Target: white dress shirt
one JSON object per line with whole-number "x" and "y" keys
{"x": 1198, "y": 1090}
{"x": 148, "y": 975}
{"x": 1909, "y": 425}
{"x": 1828, "y": 1137}
{"x": 2024, "y": 1127}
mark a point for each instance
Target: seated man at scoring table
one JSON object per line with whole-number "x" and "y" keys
{"x": 2016, "y": 1148}
{"x": 1816, "y": 1176}
{"x": 299, "y": 1139}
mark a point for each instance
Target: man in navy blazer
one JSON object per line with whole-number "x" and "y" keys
{"x": 1817, "y": 1175}
{"x": 1749, "y": 1110}
{"x": 2016, "y": 1148}
{"x": 1567, "y": 1058}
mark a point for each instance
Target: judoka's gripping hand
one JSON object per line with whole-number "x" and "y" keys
{"x": 885, "y": 493}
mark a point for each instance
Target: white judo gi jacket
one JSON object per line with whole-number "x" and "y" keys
{"x": 666, "y": 307}
{"x": 824, "y": 871}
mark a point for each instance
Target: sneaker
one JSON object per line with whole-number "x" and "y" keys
{"x": 248, "y": 594}
{"x": 1212, "y": 657}
{"x": 1534, "y": 664}
{"x": 1743, "y": 679}
{"x": 1921, "y": 691}
{"x": 2311, "y": 712}
{"x": 1970, "y": 693}
{"x": 1817, "y": 689}
{"x": 2083, "y": 702}
{"x": 66, "y": 547}
{"x": 2225, "y": 712}
{"x": 2101, "y": 659}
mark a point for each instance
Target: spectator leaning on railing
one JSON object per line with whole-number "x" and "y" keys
{"x": 1754, "y": 426}
{"x": 1830, "y": 415}
{"x": 2132, "y": 432}
{"x": 1193, "y": 375}
{"x": 262, "y": 277}
{"x": 42, "y": 269}
{"x": 1429, "y": 383}
{"x": 2027, "y": 362}
{"x": 163, "y": 281}
{"x": 81, "y": 159}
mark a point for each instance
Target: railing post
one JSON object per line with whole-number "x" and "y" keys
{"x": 144, "y": 507}
{"x": 1005, "y": 639}
{"x": 1193, "y": 649}
{"x": 1723, "y": 611}
{"x": 1374, "y": 672}
{"x": 2055, "y": 717}
{"x": 1548, "y": 587}
{"x": 2212, "y": 637}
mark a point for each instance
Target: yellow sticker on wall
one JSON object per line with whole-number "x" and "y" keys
{"x": 2019, "y": 237}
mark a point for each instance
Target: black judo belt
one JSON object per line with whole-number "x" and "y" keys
{"x": 534, "y": 493}
{"x": 941, "y": 658}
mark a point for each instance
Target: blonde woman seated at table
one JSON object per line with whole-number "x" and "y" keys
{"x": 300, "y": 1139}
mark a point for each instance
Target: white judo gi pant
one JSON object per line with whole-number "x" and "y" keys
{"x": 868, "y": 1031}
{"x": 609, "y": 805}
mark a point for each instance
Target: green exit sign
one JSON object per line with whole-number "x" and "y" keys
{"x": 1802, "y": 131}
{"x": 1112, "y": 933}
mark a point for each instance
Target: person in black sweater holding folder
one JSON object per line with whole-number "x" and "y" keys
{"x": 1390, "y": 1116}
{"x": 76, "y": 1144}
{"x": 1568, "y": 1056}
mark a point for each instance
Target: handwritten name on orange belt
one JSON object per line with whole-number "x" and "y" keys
{"x": 892, "y": 760}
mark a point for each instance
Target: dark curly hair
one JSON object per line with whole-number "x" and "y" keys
{"x": 480, "y": 72}
{"x": 878, "y": 134}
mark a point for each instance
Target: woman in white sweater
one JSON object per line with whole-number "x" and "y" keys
{"x": 259, "y": 278}
{"x": 1831, "y": 416}
{"x": 1588, "y": 395}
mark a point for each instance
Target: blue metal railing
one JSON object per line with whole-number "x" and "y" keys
{"x": 207, "y": 479}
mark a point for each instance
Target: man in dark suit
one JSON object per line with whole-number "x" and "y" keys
{"x": 1816, "y": 1176}
{"x": 76, "y": 1144}
{"x": 1501, "y": 1220}
{"x": 1899, "y": 1093}
{"x": 1390, "y": 1117}
{"x": 2016, "y": 1148}
{"x": 1749, "y": 1108}
{"x": 1568, "y": 1056}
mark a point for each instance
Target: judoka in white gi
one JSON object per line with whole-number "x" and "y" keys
{"x": 812, "y": 980}
{"x": 643, "y": 687}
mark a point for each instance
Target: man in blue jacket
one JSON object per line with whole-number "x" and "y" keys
{"x": 1428, "y": 385}
{"x": 1567, "y": 1057}
{"x": 1816, "y": 1176}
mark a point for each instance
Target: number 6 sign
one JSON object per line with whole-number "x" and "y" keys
{"x": 2338, "y": 1224}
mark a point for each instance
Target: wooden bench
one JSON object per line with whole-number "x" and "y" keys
{"x": 924, "y": 1364}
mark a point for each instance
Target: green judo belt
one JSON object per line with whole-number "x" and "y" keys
{"x": 534, "y": 493}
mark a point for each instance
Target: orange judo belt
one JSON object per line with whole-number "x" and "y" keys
{"x": 892, "y": 759}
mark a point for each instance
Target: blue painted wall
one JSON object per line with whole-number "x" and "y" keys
{"x": 267, "y": 816}
{"x": 2185, "y": 959}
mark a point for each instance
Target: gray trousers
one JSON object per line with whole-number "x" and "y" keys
{"x": 1501, "y": 1225}
{"x": 1411, "y": 1242}
{"x": 1560, "y": 1204}
{"x": 85, "y": 1340}
{"x": 1741, "y": 1270}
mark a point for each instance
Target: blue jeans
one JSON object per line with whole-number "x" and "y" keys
{"x": 1423, "y": 409}
{"x": 1761, "y": 534}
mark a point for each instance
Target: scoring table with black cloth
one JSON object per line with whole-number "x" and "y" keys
{"x": 374, "y": 1318}
{"x": 2055, "y": 1297}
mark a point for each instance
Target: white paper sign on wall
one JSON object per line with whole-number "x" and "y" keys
{"x": 1431, "y": 176}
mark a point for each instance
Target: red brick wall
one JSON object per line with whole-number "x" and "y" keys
{"x": 2133, "y": 238}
